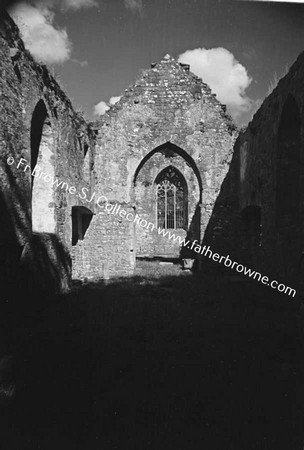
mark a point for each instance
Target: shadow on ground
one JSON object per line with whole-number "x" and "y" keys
{"x": 163, "y": 360}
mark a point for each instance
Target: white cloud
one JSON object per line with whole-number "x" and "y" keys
{"x": 100, "y": 109}
{"x": 35, "y": 18}
{"x": 46, "y": 43}
{"x": 134, "y": 5}
{"x": 227, "y": 78}
{"x": 114, "y": 100}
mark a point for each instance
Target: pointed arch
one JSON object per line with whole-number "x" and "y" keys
{"x": 43, "y": 171}
{"x": 147, "y": 200}
{"x": 168, "y": 146}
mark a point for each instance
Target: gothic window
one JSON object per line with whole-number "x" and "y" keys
{"x": 172, "y": 204}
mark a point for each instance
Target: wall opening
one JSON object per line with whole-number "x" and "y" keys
{"x": 15, "y": 62}
{"x": 85, "y": 149}
{"x": 43, "y": 171}
{"x": 288, "y": 189}
{"x": 17, "y": 72}
{"x": 167, "y": 190}
{"x": 38, "y": 119}
{"x": 86, "y": 163}
{"x": 171, "y": 199}
{"x": 81, "y": 219}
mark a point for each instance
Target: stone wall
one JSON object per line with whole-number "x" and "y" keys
{"x": 38, "y": 124}
{"x": 263, "y": 193}
{"x": 168, "y": 118}
{"x": 101, "y": 257}
{"x": 149, "y": 243}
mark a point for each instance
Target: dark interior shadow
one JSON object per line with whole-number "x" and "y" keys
{"x": 31, "y": 264}
{"x": 193, "y": 232}
{"x": 160, "y": 362}
{"x": 239, "y": 233}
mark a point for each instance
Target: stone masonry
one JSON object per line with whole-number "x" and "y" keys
{"x": 169, "y": 118}
{"x": 166, "y": 155}
{"x": 271, "y": 179}
{"x": 258, "y": 217}
{"x": 38, "y": 124}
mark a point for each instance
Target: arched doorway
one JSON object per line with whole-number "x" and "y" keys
{"x": 167, "y": 193}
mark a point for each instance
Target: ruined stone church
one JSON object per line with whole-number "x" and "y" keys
{"x": 167, "y": 153}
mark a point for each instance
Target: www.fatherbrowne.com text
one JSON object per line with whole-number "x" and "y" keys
{"x": 116, "y": 209}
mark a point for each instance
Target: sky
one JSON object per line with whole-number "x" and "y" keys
{"x": 98, "y": 48}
